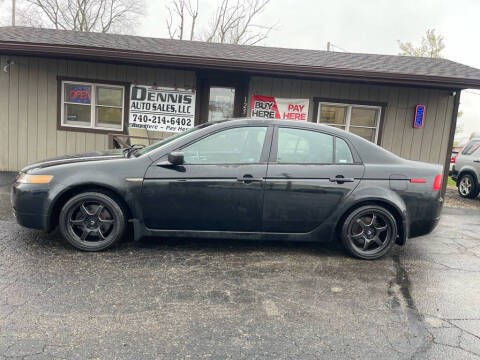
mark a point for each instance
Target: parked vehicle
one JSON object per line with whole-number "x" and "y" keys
{"x": 466, "y": 170}
{"x": 453, "y": 159}
{"x": 241, "y": 179}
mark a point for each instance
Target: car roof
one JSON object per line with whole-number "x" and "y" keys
{"x": 368, "y": 151}
{"x": 279, "y": 122}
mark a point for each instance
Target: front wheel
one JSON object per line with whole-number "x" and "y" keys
{"x": 467, "y": 187}
{"x": 369, "y": 232}
{"x": 92, "y": 221}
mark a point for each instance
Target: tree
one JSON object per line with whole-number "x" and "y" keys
{"x": 180, "y": 10}
{"x": 82, "y": 15}
{"x": 431, "y": 46}
{"x": 233, "y": 22}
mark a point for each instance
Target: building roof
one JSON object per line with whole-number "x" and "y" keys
{"x": 252, "y": 59}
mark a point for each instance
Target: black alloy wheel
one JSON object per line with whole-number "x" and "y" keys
{"x": 369, "y": 232}
{"x": 92, "y": 221}
{"x": 467, "y": 187}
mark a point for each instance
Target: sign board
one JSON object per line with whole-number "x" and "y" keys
{"x": 161, "y": 109}
{"x": 269, "y": 107}
{"x": 419, "y": 116}
{"x": 79, "y": 94}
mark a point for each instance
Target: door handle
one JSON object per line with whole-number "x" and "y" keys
{"x": 476, "y": 161}
{"x": 340, "y": 179}
{"x": 248, "y": 179}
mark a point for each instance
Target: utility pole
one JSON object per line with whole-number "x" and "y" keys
{"x": 328, "y": 44}
{"x": 13, "y": 12}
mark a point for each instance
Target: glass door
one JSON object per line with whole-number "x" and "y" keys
{"x": 221, "y": 103}
{"x": 221, "y": 95}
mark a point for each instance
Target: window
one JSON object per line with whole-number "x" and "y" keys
{"x": 471, "y": 148}
{"x": 233, "y": 146}
{"x": 343, "y": 155}
{"x": 304, "y": 146}
{"x": 92, "y": 106}
{"x": 361, "y": 120}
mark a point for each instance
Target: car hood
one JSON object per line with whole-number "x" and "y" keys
{"x": 69, "y": 159}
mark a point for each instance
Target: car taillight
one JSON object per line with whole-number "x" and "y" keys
{"x": 437, "y": 183}
{"x": 453, "y": 159}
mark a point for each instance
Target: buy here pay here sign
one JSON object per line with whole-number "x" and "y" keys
{"x": 269, "y": 107}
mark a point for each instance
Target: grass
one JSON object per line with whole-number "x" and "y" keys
{"x": 451, "y": 183}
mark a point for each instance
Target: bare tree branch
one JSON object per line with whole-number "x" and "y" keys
{"x": 82, "y": 15}
{"x": 233, "y": 21}
{"x": 179, "y": 11}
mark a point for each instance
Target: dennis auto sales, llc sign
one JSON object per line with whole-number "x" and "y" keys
{"x": 269, "y": 107}
{"x": 161, "y": 109}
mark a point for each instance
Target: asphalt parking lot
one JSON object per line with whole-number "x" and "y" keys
{"x": 192, "y": 299}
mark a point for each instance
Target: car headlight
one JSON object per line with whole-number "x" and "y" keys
{"x": 24, "y": 178}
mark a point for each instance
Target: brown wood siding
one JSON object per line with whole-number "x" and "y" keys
{"x": 28, "y": 105}
{"x": 399, "y": 136}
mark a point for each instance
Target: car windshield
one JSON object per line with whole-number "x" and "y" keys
{"x": 160, "y": 143}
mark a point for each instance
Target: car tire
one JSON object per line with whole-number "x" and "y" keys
{"x": 369, "y": 232}
{"x": 467, "y": 186}
{"x": 92, "y": 221}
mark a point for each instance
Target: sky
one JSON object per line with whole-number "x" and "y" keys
{"x": 366, "y": 26}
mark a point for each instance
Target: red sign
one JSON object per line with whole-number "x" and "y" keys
{"x": 79, "y": 94}
{"x": 269, "y": 107}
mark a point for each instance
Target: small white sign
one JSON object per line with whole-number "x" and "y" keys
{"x": 161, "y": 109}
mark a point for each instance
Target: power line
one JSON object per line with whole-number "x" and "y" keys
{"x": 331, "y": 45}
{"x": 338, "y": 47}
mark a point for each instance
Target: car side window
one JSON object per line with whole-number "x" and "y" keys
{"x": 343, "y": 155}
{"x": 241, "y": 145}
{"x": 304, "y": 146}
{"x": 471, "y": 148}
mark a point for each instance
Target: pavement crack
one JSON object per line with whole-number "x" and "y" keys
{"x": 399, "y": 289}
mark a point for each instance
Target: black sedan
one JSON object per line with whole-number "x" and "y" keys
{"x": 241, "y": 179}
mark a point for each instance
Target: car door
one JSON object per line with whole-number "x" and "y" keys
{"x": 309, "y": 174}
{"x": 219, "y": 187}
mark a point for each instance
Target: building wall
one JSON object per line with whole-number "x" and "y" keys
{"x": 28, "y": 105}
{"x": 427, "y": 144}
{"x": 28, "y": 108}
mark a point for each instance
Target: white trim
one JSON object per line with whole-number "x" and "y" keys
{"x": 347, "y": 125}
{"x": 93, "y": 106}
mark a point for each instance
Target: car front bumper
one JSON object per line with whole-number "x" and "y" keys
{"x": 30, "y": 203}
{"x": 33, "y": 221}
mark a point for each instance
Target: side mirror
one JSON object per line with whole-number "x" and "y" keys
{"x": 175, "y": 158}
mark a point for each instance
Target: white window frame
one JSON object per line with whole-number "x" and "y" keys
{"x": 93, "y": 106}
{"x": 349, "y": 116}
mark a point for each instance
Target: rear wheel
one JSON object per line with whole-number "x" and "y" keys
{"x": 467, "y": 186}
{"x": 369, "y": 232}
{"x": 92, "y": 221}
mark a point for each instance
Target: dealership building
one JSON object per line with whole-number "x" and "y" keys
{"x": 64, "y": 92}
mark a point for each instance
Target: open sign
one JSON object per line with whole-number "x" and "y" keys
{"x": 419, "y": 116}
{"x": 79, "y": 94}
